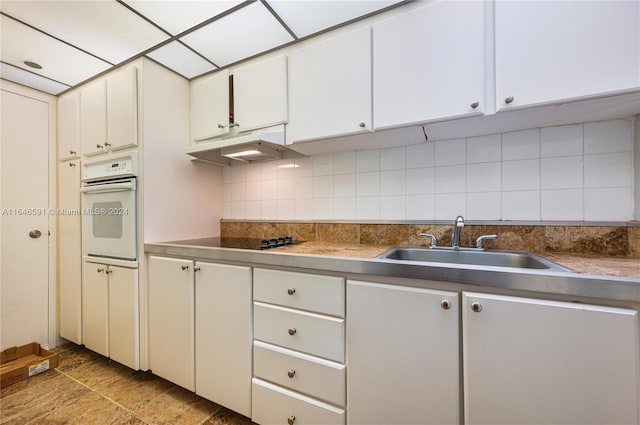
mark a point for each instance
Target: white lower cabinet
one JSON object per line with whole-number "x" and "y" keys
{"x": 200, "y": 328}
{"x": 223, "y": 335}
{"x": 402, "y": 355}
{"x": 530, "y": 361}
{"x": 110, "y": 314}
{"x": 298, "y": 349}
{"x": 171, "y": 320}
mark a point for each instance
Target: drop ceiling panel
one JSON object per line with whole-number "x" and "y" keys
{"x": 178, "y": 16}
{"x": 244, "y": 33}
{"x": 182, "y": 60}
{"x": 308, "y": 17}
{"x": 59, "y": 61}
{"x": 104, "y": 28}
{"x": 17, "y": 75}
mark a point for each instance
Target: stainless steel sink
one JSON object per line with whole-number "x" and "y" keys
{"x": 470, "y": 256}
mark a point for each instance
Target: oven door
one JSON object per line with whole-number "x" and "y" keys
{"x": 109, "y": 219}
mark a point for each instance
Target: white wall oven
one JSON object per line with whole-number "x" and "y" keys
{"x": 109, "y": 216}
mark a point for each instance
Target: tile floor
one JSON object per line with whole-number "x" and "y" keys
{"x": 88, "y": 389}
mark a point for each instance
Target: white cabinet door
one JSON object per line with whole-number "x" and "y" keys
{"x": 171, "y": 320}
{"x": 69, "y": 252}
{"x": 69, "y": 126}
{"x": 95, "y": 307}
{"x": 548, "y": 51}
{"x": 531, "y": 361}
{"x": 124, "y": 324}
{"x": 223, "y": 335}
{"x": 260, "y": 94}
{"x": 428, "y": 64}
{"x": 331, "y": 88}
{"x": 122, "y": 109}
{"x": 402, "y": 355}
{"x": 210, "y": 107}
{"x": 93, "y": 118}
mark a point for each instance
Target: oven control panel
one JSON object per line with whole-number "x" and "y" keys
{"x": 124, "y": 165}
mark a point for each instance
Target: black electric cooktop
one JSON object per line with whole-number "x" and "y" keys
{"x": 241, "y": 243}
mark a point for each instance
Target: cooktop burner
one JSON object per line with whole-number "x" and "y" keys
{"x": 241, "y": 243}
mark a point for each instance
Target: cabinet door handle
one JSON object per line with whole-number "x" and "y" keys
{"x": 291, "y": 291}
{"x": 99, "y": 146}
{"x": 196, "y": 269}
{"x": 292, "y": 331}
{"x": 185, "y": 267}
{"x": 221, "y": 126}
{"x": 72, "y": 164}
{"x": 445, "y": 304}
{"x": 291, "y": 420}
{"x": 72, "y": 152}
{"x": 474, "y": 105}
{"x": 291, "y": 373}
{"x": 509, "y": 99}
{"x": 476, "y": 306}
{"x": 361, "y": 124}
{"x": 100, "y": 270}
{"x": 108, "y": 271}
{"x": 107, "y": 144}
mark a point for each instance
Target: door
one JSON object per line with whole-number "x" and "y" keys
{"x": 171, "y": 320}
{"x": 223, "y": 313}
{"x": 24, "y": 193}
{"x": 124, "y": 340}
{"x": 531, "y": 361}
{"x": 95, "y": 307}
{"x": 69, "y": 126}
{"x": 402, "y": 355}
{"x": 93, "y": 118}
{"x": 122, "y": 109}
{"x": 331, "y": 88}
{"x": 69, "y": 252}
{"x": 210, "y": 107}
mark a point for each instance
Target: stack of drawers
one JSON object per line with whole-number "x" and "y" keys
{"x": 298, "y": 350}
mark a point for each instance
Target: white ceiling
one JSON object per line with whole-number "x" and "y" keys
{"x": 74, "y": 41}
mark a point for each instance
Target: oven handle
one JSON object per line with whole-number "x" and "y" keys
{"x": 112, "y": 187}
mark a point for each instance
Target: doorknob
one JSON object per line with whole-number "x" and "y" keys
{"x": 35, "y": 234}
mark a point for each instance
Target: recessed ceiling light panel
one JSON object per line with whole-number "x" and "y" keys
{"x": 182, "y": 60}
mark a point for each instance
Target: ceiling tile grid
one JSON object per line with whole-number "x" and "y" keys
{"x": 74, "y": 41}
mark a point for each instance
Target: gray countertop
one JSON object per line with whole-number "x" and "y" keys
{"x": 353, "y": 263}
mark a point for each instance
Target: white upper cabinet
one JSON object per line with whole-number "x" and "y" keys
{"x": 109, "y": 113}
{"x": 330, "y": 85}
{"x": 428, "y": 64}
{"x": 69, "y": 126}
{"x": 122, "y": 109}
{"x": 210, "y": 107}
{"x": 548, "y": 51}
{"x": 260, "y": 94}
{"x": 93, "y": 118}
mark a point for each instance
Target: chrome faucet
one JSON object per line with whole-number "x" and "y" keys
{"x": 434, "y": 240}
{"x": 458, "y": 225}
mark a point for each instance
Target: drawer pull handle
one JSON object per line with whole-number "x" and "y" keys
{"x": 291, "y": 373}
{"x": 445, "y": 304}
{"x": 291, "y": 420}
{"x": 291, "y": 291}
{"x": 185, "y": 267}
{"x": 477, "y": 307}
{"x": 292, "y": 331}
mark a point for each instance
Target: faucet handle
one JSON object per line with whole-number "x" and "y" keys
{"x": 434, "y": 240}
{"x": 481, "y": 239}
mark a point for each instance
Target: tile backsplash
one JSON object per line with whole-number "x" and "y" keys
{"x": 581, "y": 172}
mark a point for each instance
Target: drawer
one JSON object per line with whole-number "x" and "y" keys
{"x": 319, "y": 378}
{"x": 310, "y": 333}
{"x": 320, "y": 294}
{"x": 272, "y": 404}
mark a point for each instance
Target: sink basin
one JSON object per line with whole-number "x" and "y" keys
{"x": 513, "y": 259}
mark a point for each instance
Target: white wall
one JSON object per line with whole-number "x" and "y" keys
{"x": 581, "y": 172}
{"x": 636, "y": 135}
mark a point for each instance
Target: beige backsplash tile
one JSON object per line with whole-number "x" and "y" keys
{"x": 609, "y": 241}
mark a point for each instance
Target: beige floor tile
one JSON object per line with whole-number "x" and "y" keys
{"x": 136, "y": 390}
{"x": 177, "y": 407}
{"x": 90, "y": 409}
{"x": 71, "y": 356}
{"x": 100, "y": 373}
{"x": 37, "y": 401}
{"x": 227, "y": 417}
{"x": 8, "y": 390}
